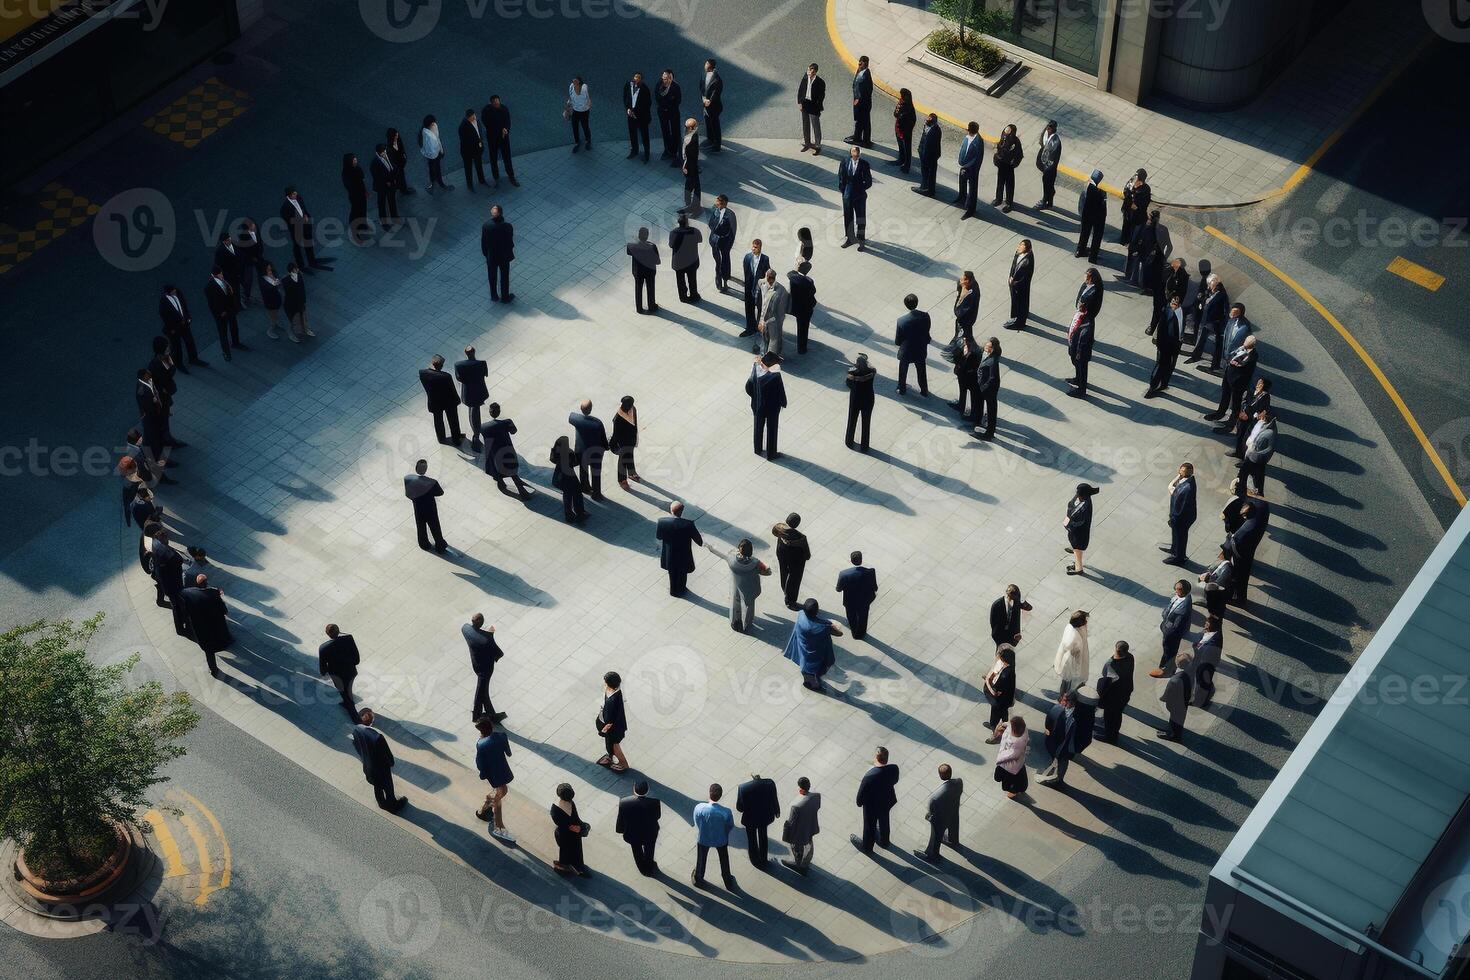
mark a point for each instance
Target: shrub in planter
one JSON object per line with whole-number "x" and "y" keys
{"x": 974, "y": 52}
{"x": 79, "y": 747}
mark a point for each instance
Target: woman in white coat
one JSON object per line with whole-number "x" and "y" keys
{"x": 1072, "y": 657}
{"x": 432, "y": 147}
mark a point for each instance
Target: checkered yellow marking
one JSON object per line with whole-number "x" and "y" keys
{"x": 199, "y": 114}
{"x": 61, "y": 209}
{"x": 1416, "y": 273}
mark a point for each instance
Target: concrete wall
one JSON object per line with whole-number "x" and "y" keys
{"x": 1214, "y": 54}
{"x": 249, "y": 11}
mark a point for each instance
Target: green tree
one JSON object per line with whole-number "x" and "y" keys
{"x": 972, "y": 15}
{"x": 79, "y": 747}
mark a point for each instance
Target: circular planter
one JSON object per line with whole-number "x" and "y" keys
{"x": 87, "y": 888}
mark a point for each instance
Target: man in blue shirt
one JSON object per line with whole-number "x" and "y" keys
{"x": 713, "y": 823}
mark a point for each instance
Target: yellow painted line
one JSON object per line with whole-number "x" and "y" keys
{"x": 1363, "y": 355}
{"x": 173, "y": 859}
{"x": 201, "y": 847}
{"x": 1416, "y": 273}
{"x": 219, "y": 833}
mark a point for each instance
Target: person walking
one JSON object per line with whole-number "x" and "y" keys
{"x": 713, "y": 824}
{"x": 943, "y": 814}
{"x": 1072, "y": 657}
{"x": 758, "y": 806}
{"x": 471, "y": 374}
{"x": 1069, "y": 726}
{"x": 1173, "y": 624}
{"x": 485, "y": 653}
{"x": 810, "y": 645}
{"x": 492, "y": 761}
{"x": 1010, "y": 759}
{"x": 1008, "y": 156}
{"x": 612, "y": 723}
{"x": 570, "y": 829}
{"x": 564, "y": 478}
{"x": 677, "y": 536}
{"x": 1182, "y": 514}
{"x": 912, "y": 340}
{"x": 1114, "y": 690}
{"x": 858, "y": 585}
{"x": 1078, "y": 525}
{"x": 1092, "y": 208}
{"x": 999, "y": 688}
{"x": 624, "y": 441}
{"x": 801, "y": 826}
{"x": 337, "y": 658}
{"x": 431, "y": 148}
{"x": 501, "y": 461}
{"x": 793, "y": 551}
{"x": 1048, "y": 159}
{"x": 354, "y": 181}
{"x": 578, "y": 109}
{"x": 876, "y": 797}
{"x": 422, "y": 490}
{"x": 987, "y": 389}
{"x": 498, "y": 246}
{"x": 637, "y": 823}
{"x": 1023, "y": 268}
{"x": 377, "y": 761}
{"x": 811, "y": 91}
{"x": 860, "y": 378}
{"x": 745, "y": 581}
{"x": 904, "y": 119}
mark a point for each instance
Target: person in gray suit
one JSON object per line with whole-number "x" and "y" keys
{"x": 745, "y": 581}
{"x": 943, "y": 814}
{"x": 1260, "y": 446}
{"x": 1206, "y": 660}
{"x": 773, "y": 305}
{"x": 801, "y": 826}
{"x": 1176, "y": 697}
{"x": 1173, "y": 625}
{"x": 677, "y": 536}
{"x": 471, "y": 374}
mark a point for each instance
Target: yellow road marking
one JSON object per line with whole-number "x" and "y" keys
{"x": 173, "y": 859}
{"x": 1416, "y": 273}
{"x": 219, "y": 833}
{"x": 1363, "y": 355}
{"x": 201, "y": 845}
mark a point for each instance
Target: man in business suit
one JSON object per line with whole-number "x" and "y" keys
{"x": 227, "y": 257}
{"x": 498, "y": 245}
{"x": 756, "y": 802}
{"x": 912, "y": 340}
{"x": 684, "y": 257}
{"x": 377, "y": 761}
{"x": 1173, "y": 624}
{"x": 1258, "y": 401}
{"x": 1219, "y": 583}
{"x": 153, "y": 415}
{"x": 859, "y": 587}
{"x": 591, "y": 443}
{"x": 471, "y": 374}
{"x": 711, "y": 95}
{"x": 803, "y": 292}
{"x": 721, "y": 240}
{"x": 930, "y": 139}
{"x": 495, "y": 118}
{"x": 1213, "y": 307}
{"x": 853, "y": 180}
{"x": 876, "y": 796}
{"x": 386, "y": 180}
{"x": 1240, "y": 369}
{"x": 443, "y": 401}
{"x": 667, "y": 96}
{"x": 204, "y": 607}
{"x": 638, "y": 107}
{"x": 1069, "y": 727}
{"x": 801, "y": 826}
{"x": 1182, "y": 513}
{"x": 810, "y": 93}
{"x": 1092, "y": 208}
{"x": 1005, "y": 617}
{"x": 774, "y": 303}
{"x": 1048, "y": 159}
{"x": 485, "y": 653}
{"x": 943, "y": 814}
{"x": 644, "y": 254}
{"x": 162, "y": 369}
{"x": 471, "y": 150}
{"x": 677, "y": 537}
{"x": 220, "y": 296}
{"x": 303, "y": 232}
{"x": 1242, "y": 543}
{"x": 753, "y": 272}
{"x": 337, "y": 658}
{"x": 422, "y": 490}
{"x": 688, "y": 164}
{"x": 862, "y": 105}
{"x": 1260, "y": 446}
{"x": 637, "y": 822}
{"x": 173, "y": 310}
{"x": 767, "y": 391}
{"x": 252, "y": 257}
{"x": 972, "y": 155}
{"x": 1167, "y": 341}
{"x": 501, "y": 461}
{"x": 168, "y": 579}
{"x": 1079, "y": 350}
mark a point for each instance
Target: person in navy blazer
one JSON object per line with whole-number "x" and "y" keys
{"x": 173, "y": 310}
{"x": 501, "y": 460}
{"x": 859, "y": 587}
{"x": 753, "y": 269}
{"x": 421, "y": 489}
{"x": 912, "y": 340}
{"x": 591, "y": 444}
{"x": 758, "y": 805}
{"x": 471, "y": 374}
{"x": 972, "y": 154}
{"x": 677, "y": 537}
{"x": 929, "y": 148}
{"x": 1090, "y": 294}
{"x": 877, "y": 796}
{"x": 338, "y": 658}
{"x": 853, "y": 180}
{"x": 1211, "y": 323}
{"x": 638, "y": 107}
{"x": 443, "y": 400}
{"x": 767, "y": 391}
{"x": 1182, "y": 513}
{"x": 1079, "y": 350}
{"x": 722, "y": 227}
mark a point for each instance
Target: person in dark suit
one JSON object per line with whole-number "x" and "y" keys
{"x": 803, "y": 292}
{"x": 966, "y": 364}
{"x": 1114, "y": 689}
{"x": 386, "y": 181}
{"x": 711, "y": 95}
{"x": 667, "y": 95}
{"x": 930, "y": 139}
{"x": 767, "y": 391}
{"x": 612, "y": 722}
{"x": 1169, "y": 286}
{"x": 1182, "y": 513}
{"x": 854, "y": 177}
{"x": 1023, "y": 267}
{"x": 876, "y": 796}
{"x": 220, "y": 296}
{"x": 753, "y": 271}
{"x": 860, "y": 380}
{"x": 471, "y": 374}
{"x": 999, "y": 688}
{"x": 1069, "y": 727}
{"x": 1048, "y": 159}
{"x": 1092, "y": 208}
{"x": 495, "y": 118}
{"x": 1219, "y": 583}
{"x": 173, "y": 310}
{"x": 204, "y": 607}
{"x": 1005, "y": 618}
{"x": 152, "y": 412}
{"x": 758, "y": 806}
{"x": 644, "y": 254}
{"x": 1008, "y": 156}
{"x": 972, "y": 155}
{"x": 1079, "y": 351}
{"x": 1167, "y": 341}
{"x": 564, "y": 478}
{"x": 472, "y": 150}
{"x": 862, "y": 105}
{"x": 637, "y": 822}
{"x": 443, "y": 400}
{"x": 943, "y": 814}
{"x": 859, "y": 587}
{"x": 912, "y": 340}
{"x": 1136, "y": 198}
{"x": 1143, "y": 265}
{"x": 684, "y": 257}
{"x": 904, "y": 118}
{"x": 501, "y": 460}
{"x": 1213, "y": 305}
{"x": 252, "y": 256}
{"x": 354, "y": 182}
{"x": 498, "y": 245}
{"x": 229, "y": 261}
{"x": 811, "y": 92}
{"x": 966, "y": 311}
{"x": 1173, "y": 624}
{"x": 168, "y": 579}
{"x": 987, "y": 389}
{"x": 721, "y": 239}
{"x": 162, "y": 372}
{"x": 688, "y": 164}
{"x": 638, "y": 107}
{"x": 422, "y": 490}
{"x": 398, "y": 156}
{"x": 1241, "y": 545}
{"x": 1090, "y": 293}
{"x": 591, "y": 444}
{"x": 377, "y": 761}
{"x": 677, "y": 537}
{"x": 1240, "y": 370}
{"x": 338, "y": 658}
{"x": 485, "y": 653}
{"x": 1258, "y": 401}
{"x": 1078, "y": 525}
{"x": 303, "y": 232}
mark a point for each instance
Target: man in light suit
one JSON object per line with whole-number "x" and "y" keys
{"x": 498, "y": 245}
{"x": 591, "y": 444}
{"x": 853, "y": 180}
{"x": 471, "y": 374}
{"x": 645, "y": 258}
{"x": 485, "y": 653}
{"x": 774, "y": 303}
{"x": 377, "y": 761}
{"x": 1048, "y": 159}
{"x": 767, "y": 391}
{"x": 1005, "y": 617}
{"x": 929, "y": 149}
{"x": 1260, "y": 446}
{"x": 721, "y": 239}
{"x": 638, "y": 107}
{"x": 862, "y": 106}
{"x": 1182, "y": 513}
{"x": 422, "y": 490}
{"x": 637, "y": 822}
{"x": 1173, "y": 624}
{"x": 801, "y": 826}
{"x": 677, "y": 537}
{"x": 859, "y": 587}
{"x": 338, "y": 658}
{"x": 912, "y": 340}
{"x": 943, "y": 814}
{"x": 1219, "y": 583}
{"x": 803, "y": 292}
{"x": 753, "y": 270}
{"x": 443, "y": 400}
{"x": 684, "y": 257}
{"x": 756, "y": 802}
{"x": 972, "y": 155}
{"x": 1167, "y": 341}
{"x": 876, "y": 796}
{"x": 810, "y": 92}
{"x": 711, "y": 95}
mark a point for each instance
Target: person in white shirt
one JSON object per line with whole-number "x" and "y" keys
{"x": 579, "y": 111}
{"x": 432, "y": 148}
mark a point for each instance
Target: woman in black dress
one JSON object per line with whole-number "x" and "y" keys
{"x": 564, "y": 478}
{"x": 356, "y": 183}
{"x": 270, "y": 295}
{"x": 1023, "y": 267}
{"x": 860, "y": 399}
{"x": 904, "y": 118}
{"x": 1000, "y": 689}
{"x": 804, "y": 246}
{"x": 1078, "y": 524}
{"x": 966, "y": 363}
{"x": 293, "y": 290}
{"x": 398, "y": 156}
{"x": 569, "y": 833}
{"x": 624, "y": 440}
{"x": 612, "y": 723}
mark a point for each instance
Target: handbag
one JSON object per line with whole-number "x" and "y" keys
{"x": 597, "y": 723}
{"x": 566, "y": 110}
{"x": 786, "y": 832}
{"x": 586, "y": 829}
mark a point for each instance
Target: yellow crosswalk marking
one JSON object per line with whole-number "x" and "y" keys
{"x": 1416, "y": 273}
{"x": 173, "y": 860}
{"x": 201, "y": 846}
{"x": 226, "y": 861}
